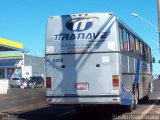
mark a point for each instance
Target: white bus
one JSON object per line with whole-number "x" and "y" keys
{"x": 94, "y": 59}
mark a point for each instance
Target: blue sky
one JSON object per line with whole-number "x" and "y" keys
{"x": 25, "y": 20}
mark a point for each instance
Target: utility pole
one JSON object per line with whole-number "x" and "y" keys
{"x": 158, "y": 9}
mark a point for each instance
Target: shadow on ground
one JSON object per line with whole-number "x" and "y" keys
{"x": 69, "y": 113}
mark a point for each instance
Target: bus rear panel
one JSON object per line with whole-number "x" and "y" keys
{"x": 81, "y": 59}
{"x": 83, "y": 79}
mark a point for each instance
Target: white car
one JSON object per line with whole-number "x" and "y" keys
{"x": 15, "y": 82}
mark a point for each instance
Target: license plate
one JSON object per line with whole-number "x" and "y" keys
{"x": 81, "y": 86}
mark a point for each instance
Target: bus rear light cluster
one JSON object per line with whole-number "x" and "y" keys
{"x": 115, "y": 81}
{"x": 48, "y": 82}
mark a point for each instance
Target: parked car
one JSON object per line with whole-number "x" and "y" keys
{"x": 36, "y": 81}
{"x": 16, "y": 81}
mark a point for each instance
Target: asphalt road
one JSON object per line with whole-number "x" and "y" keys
{"x": 30, "y": 104}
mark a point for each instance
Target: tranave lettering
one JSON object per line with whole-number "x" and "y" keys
{"x": 80, "y": 36}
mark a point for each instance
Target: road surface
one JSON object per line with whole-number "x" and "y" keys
{"x": 30, "y": 104}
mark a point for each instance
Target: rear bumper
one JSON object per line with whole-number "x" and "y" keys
{"x": 80, "y": 100}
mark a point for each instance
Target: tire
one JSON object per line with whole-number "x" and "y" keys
{"x": 150, "y": 88}
{"x": 32, "y": 85}
{"x": 22, "y": 86}
{"x": 42, "y": 84}
{"x": 135, "y": 98}
{"x": 146, "y": 98}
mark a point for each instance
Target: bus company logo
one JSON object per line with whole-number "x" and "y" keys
{"x": 80, "y": 24}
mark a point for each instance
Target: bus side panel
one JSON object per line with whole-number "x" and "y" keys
{"x": 134, "y": 73}
{"x": 127, "y": 79}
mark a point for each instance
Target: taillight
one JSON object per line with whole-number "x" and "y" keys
{"x": 115, "y": 81}
{"x": 48, "y": 82}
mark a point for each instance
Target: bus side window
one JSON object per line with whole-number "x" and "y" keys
{"x": 125, "y": 40}
{"x": 137, "y": 46}
{"x": 120, "y": 37}
{"x": 132, "y": 43}
{"x": 149, "y": 55}
{"x": 128, "y": 40}
{"x": 144, "y": 52}
{"x": 146, "y": 49}
{"x": 141, "y": 49}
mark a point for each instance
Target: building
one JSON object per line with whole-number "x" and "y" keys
{"x": 21, "y": 65}
{"x": 7, "y": 45}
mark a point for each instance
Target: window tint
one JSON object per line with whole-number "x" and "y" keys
{"x": 132, "y": 43}
{"x": 141, "y": 48}
{"x": 128, "y": 40}
{"x": 125, "y": 40}
{"x": 144, "y": 52}
{"x": 137, "y": 46}
{"x": 121, "y": 38}
{"x": 149, "y": 54}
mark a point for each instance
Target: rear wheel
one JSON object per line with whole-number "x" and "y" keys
{"x": 150, "y": 90}
{"x": 146, "y": 98}
{"x": 135, "y": 98}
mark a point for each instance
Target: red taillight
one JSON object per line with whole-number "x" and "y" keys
{"x": 48, "y": 82}
{"x": 115, "y": 81}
